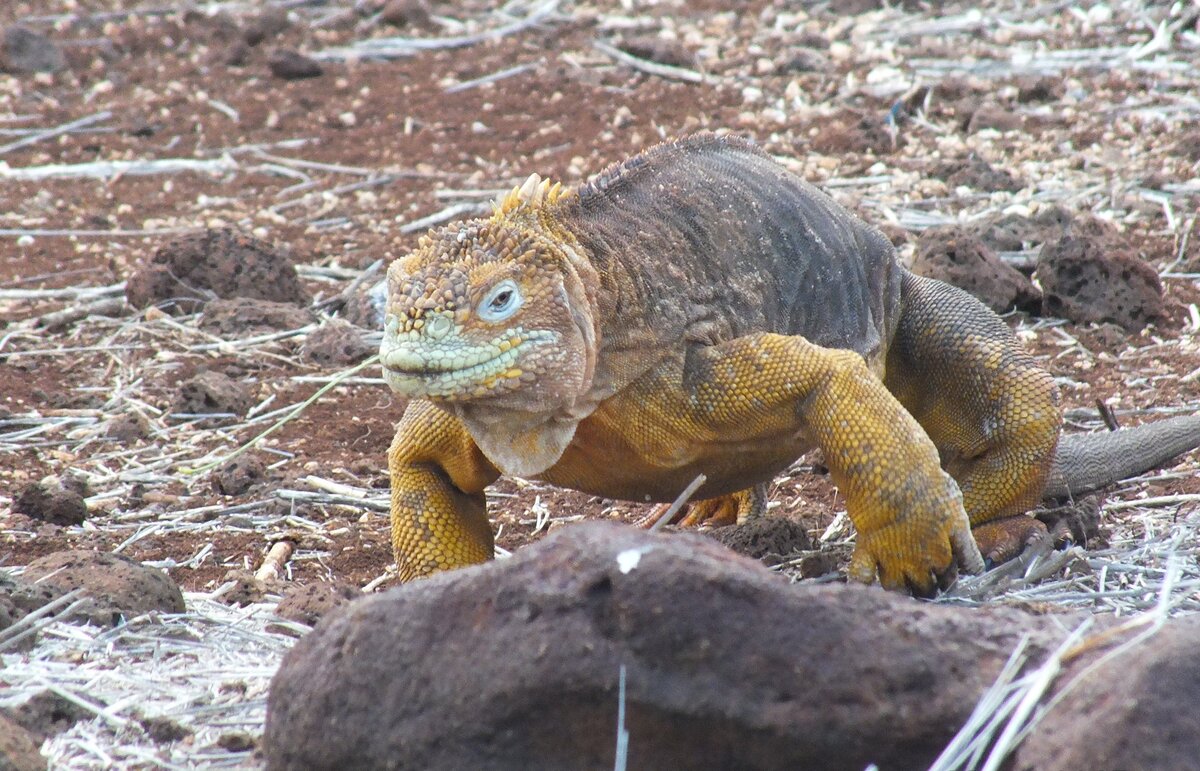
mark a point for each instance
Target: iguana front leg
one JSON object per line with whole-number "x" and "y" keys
{"x": 439, "y": 516}
{"x": 908, "y": 512}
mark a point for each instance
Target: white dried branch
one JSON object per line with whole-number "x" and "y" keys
{"x": 175, "y": 667}
{"x": 109, "y": 169}
{"x": 668, "y": 71}
{"x": 679, "y": 502}
{"x": 491, "y": 78}
{"x": 353, "y": 501}
{"x": 448, "y": 213}
{"x": 65, "y": 128}
{"x": 76, "y": 293}
{"x": 93, "y": 232}
{"x": 1158, "y": 500}
{"x": 396, "y": 47}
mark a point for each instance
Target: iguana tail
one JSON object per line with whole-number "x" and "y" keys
{"x": 1086, "y": 462}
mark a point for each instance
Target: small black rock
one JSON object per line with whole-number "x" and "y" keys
{"x": 291, "y": 65}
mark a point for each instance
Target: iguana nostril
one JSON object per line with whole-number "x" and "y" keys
{"x": 437, "y": 326}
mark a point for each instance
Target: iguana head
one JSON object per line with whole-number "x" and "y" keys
{"x": 493, "y": 311}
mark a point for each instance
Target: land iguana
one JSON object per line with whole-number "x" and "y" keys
{"x": 699, "y": 309}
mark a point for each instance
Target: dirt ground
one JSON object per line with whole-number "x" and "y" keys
{"x": 335, "y": 166}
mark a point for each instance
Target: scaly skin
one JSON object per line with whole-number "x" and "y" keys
{"x": 698, "y": 309}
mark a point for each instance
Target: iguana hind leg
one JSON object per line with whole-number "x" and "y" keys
{"x": 731, "y": 509}
{"x": 908, "y": 512}
{"x": 990, "y": 409}
{"x": 439, "y": 515}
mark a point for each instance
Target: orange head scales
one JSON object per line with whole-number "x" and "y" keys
{"x": 494, "y": 313}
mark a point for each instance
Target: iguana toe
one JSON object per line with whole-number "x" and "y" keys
{"x": 713, "y": 512}
{"x": 734, "y": 508}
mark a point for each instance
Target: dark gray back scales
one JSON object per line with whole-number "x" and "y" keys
{"x": 718, "y": 240}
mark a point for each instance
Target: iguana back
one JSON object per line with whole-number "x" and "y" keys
{"x": 707, "y": 239}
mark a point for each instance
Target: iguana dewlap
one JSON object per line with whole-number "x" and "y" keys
{"x": 701, "y": 310}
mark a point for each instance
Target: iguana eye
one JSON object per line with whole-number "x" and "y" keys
{"x": 501, "y": 302}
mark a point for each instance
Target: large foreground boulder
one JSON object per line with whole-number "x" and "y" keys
{"x": 18, "y": 750}
{"x": 1136, "y": 710}
{"x": 516, "y": 664}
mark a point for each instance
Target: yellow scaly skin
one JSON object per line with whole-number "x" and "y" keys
{"x": 573, "y": 338}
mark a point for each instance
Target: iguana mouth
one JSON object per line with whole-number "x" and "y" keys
{"x": 416, "y": 367}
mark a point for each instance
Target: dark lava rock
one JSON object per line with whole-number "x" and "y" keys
{"x": 127, "y": 428}
{"x": 246, "y": 589}
{"x": 1086, "y": 278}
{"x": 337, "y": 343}
{"x": 236, "y": 741}
{"x": 1014, "y": 232}
{"x": 803, "y": 60}
{"x": 366, "y": 306}
{"x": 978, "y": 174}
{"x": 308, "y": 604}
{"x": 22, "y": 51}
{"x": 857, "y": 133}
{"x": 54, "y": 499}
{"x": 11, "y": 614}
{"x": 1135, "y": 711}
{"x": 238, "y": 475}
{"x": 960, "y": 258}
{"x": 212, "y": 392}
{"x": 115, "y": 585}
{"x": 770, "y": 540}
{"x": 18, "y": 749}
{"x": 1188, "y": 146}
{"x": 244, "y": 317}
{"x": 164, "y": 730}
{"x": 994, "y": 116}
{"x": 192, "y": 269}
{"x": 47, "y": 714}
{"x": 1040, "y": 89}
{"x": 266, "y": 24}
{"x": 291, "y": 65}
{"x": 406, "y": 13}
{"x": 515, "y": 665}
{"x": 656, "y": 49}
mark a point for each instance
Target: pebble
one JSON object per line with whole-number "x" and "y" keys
{"x": 292, "y": 65}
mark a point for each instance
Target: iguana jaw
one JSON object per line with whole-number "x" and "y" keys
{"x": 455, "y": 369}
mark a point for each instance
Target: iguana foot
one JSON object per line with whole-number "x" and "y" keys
{"x": 715, "y": 512}
{"x": 921, "y": 571}
{"x": 1077, "y": 522}
{"x": 1003, "y": 539}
